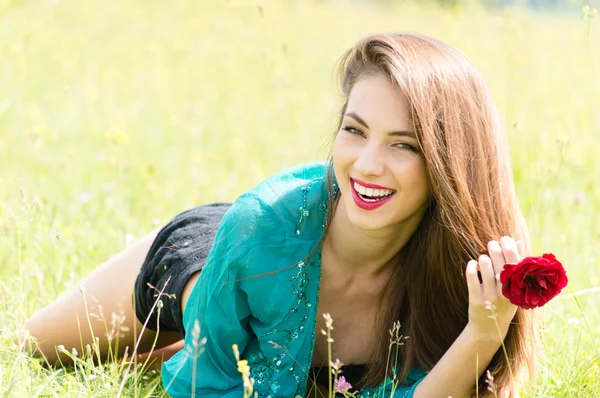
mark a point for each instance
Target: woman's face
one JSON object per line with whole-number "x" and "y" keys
{"x": 378, "y": 166}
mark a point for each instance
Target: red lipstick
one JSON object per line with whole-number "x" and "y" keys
{"x": 367, "y": 185}
{"x": 363, "y": 204}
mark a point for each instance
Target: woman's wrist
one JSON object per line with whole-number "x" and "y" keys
{"x": 472, "y": 350}
{"x": 478, "y": 336}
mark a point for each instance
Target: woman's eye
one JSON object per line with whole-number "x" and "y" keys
{"x": 352, "y": 130}
{"x": 403, "y": 145}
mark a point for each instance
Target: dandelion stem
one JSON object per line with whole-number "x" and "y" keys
{"x": 589, "y": 37}
{"x": 387, "y": 367}
{"x": 512, "y": 377}
{"x": 477, "y": 374}
{"x": 587, "y": 325}
{"x": 155, "y": 339}
{"x": 87, "y": 315}
{"x": 139, "y": 340}
{"x": 331, "y": 392}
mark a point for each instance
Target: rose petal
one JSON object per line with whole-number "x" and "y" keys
{"x": 533, "y": 281}
{"x": 542, "y": 283}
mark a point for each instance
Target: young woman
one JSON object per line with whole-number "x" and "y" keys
{"x": 411, "y": 220}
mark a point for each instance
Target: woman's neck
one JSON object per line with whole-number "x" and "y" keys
{"x": 365, "y": 252}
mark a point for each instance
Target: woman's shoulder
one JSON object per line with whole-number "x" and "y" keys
{"x": 288, "y": 183}
{"x": 279, "y": 221}
{"x": 285, "y": 202}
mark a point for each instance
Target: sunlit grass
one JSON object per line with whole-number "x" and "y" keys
{"x": 115, "y": 116}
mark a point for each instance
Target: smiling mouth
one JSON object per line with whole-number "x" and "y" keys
{"x": 372, "y": 199}
{"x": 367, "y": 198}
{"x": 371, "y": 195}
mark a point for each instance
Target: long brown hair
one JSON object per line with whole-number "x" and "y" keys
{"x": 473, "y": 201}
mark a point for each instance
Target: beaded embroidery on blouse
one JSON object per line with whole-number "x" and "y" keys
{"x": 263, "y": 368}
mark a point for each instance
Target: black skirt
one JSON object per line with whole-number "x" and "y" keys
{"x": 178, "y": 251}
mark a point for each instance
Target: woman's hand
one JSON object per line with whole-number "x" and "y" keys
{"x": 482, "y": 317}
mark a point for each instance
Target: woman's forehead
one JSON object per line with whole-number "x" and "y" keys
{"x": 377, "y": 101}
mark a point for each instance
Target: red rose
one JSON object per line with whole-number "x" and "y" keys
{"x": 533, "y": 281}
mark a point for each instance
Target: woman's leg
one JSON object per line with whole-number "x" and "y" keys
{"x": 108, "y": 288}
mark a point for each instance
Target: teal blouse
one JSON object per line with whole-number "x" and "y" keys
{"x": 272, "y": 317}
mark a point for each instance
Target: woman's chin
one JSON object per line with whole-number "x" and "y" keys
{"x": 367, "y": 222}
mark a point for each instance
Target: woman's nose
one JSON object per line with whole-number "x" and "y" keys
{"x": 370, "y": 161}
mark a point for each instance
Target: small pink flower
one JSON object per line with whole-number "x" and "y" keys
{"x": 85, "y": 197}
{"x": 341, "y": 385}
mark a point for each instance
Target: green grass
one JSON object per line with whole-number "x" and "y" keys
{"x": 115, "y": 116}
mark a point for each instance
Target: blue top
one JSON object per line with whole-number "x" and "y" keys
{"x": 272, "y": 318}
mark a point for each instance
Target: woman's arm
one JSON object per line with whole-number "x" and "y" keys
{"x": 464, "y": 362}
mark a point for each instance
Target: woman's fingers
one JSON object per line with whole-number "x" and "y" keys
{"x": 488, "y": 276}
{"x": 475, "y": 296}
{"x": 509, "y": 250}
{"x": 498, "y": 260}
{"x": 490, "y": 266}
{"x": 521, "y": 248}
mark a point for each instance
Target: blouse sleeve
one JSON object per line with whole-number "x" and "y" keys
{"x": 404, "y": 390}
{"x": 217, "y": 313}
{"x": 415, "y": 376}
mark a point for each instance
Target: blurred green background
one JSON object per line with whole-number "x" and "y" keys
{"x": 115, "y": 116}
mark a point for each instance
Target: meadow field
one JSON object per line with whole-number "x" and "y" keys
{"x": 115, "y": 116}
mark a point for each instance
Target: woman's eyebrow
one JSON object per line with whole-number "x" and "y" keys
{"x": 360, "y": 120}
{"x": 409, "y": 134}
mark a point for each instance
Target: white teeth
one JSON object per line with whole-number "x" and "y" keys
{"x": 370, "y": 192}
{"x": 370, "y": 200}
